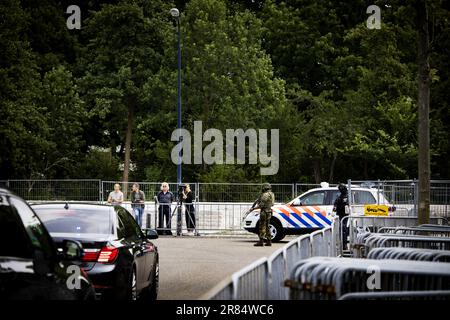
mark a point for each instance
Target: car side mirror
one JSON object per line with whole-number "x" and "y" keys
{"x": 71, "y": 250}
{"x": 297, "y": 202}
{"x": 150, "y": 233}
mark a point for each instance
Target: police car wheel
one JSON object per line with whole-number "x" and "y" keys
{"x": 276, "y": 230}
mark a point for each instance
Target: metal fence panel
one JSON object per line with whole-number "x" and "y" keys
{"x": 291, "y": 253}
{"x": 242, "y": 192}
{"x": 404, "y": 194}
{"x": 304, "y": 244}
{"x": 223, "y": 291}
{"x": 150, "y": 189}
{"x": 323, "y": 278}
{"x": 317, "y": 244}
{"x": 51, "y": 190}
{"x": 252, "y": 282}
{"x": 409, "y": 254}
{"x": 401, "y": 193}
{"x": 264, "y": 279}
{"x": 277, "y": 271}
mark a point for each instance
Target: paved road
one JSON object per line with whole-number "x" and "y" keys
{"x": 191, "y": 266}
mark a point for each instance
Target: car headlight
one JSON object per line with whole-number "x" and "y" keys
{"x": 250, "y": 214}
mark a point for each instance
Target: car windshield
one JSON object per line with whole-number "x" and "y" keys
{"x": 78, "y": 221}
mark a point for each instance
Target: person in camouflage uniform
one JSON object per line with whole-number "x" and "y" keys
{"x": 264, "y": 202}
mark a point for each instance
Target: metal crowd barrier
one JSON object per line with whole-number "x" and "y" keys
{"x": 326, "y": 278}
{"x": 440, "y": 231}
{"x": 209, "y": 217}
{"x": 360, "y": 227}
{"x": 264, "y": 279}
{"x": 377, "y": 240}
{"x": 446, "y": 227}
{"x": 398, "y": 295}
{"x": 410, "y": 254}
{"x": 366, "y": 241}
{"x": 277, "y": 271}
{"x": 373, "y": 224}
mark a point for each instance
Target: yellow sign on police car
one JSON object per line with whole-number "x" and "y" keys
{"x": 376, "y": 210}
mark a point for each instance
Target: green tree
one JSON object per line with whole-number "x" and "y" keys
{"x": 65, "y": 115}
{"x": 228, "y": 82}
{"x": 23, "y": 125}
{"x": 125, "y": 48}
{"x": 229, "y": 78}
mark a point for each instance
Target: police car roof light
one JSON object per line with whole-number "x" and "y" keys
{"x": 324, "y": 184}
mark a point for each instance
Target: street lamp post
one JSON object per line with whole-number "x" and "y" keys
{"x": 176, "y": 14}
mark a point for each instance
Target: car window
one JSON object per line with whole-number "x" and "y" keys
{"x": 316, "y": 198}
{"x": 359, "y": 197}
{"x": 75, "y": 220}
{"x": 333, "y": 195}
{"x": 40, "y": 239}
{"x": 13, "y": 237}
{"x": 128, "y": 228}
{"x": 363, "y": 197}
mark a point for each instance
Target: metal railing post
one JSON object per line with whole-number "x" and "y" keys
{"x": 416, "y": 200}
{"x": 378, "y": 191}
{"x": 350, "y": 197}
{"x": 156, "y": 212}
{"x": 100, "y": 190}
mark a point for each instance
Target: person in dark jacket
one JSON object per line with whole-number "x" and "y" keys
{"x": 188, "y": 199}
{"x": 165, "y": 199}
{"x": 339, "y": 207}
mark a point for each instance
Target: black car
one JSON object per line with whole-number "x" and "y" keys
{"x": 31, "y": 267}
{"x": 119, "y": 257}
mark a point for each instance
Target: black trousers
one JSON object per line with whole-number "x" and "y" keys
{"x": 190, "y": 216}
{"x": 164, "y": 214}
{"x": 345, "y": 231}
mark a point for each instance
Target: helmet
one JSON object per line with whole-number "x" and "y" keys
{"x": 266, "y": 186}
{"x": 342, "y": 188}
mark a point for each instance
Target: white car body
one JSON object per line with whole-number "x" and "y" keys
{"x": 312, "y": 210}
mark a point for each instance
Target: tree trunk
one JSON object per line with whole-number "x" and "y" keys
{"x": 423, "y": 103}
{"x": 333, "y": 162}
{"x": 126, "y": 165}
{"x": 317, "y": 169}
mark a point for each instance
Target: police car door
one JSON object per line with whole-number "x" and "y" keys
{"x": 312, "y": 211}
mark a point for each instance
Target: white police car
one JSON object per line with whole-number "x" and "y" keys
{"x": 312, "y": 210}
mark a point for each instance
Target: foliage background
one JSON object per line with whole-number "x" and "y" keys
{"x": 343, "y": 96}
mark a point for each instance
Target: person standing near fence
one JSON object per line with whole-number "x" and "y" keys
{"x": 188, "y": 198}
{"x": 165, "y": 199}
{"x": 265, "y": 202}
{"x": 137, "y": 203}
{"x": 116, "y": 197}
{"x": 339, "y": 207}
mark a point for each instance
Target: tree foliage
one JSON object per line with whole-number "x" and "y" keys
{"x": 81, "y": 103}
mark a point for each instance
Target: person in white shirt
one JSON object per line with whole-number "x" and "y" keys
{"x": 116, "y": 196}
